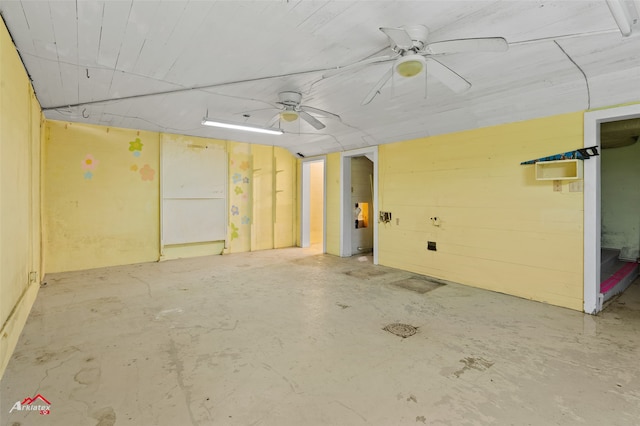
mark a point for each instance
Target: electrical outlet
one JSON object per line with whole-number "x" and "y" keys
{"x": 431, "y": 245}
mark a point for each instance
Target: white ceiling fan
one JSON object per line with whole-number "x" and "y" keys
{"x": 413, "y": 53}
{"x": 291, "y": 109}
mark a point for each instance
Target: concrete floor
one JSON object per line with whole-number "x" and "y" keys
{"x": 291, "y": 337}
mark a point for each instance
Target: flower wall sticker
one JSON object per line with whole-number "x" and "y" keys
{"x": 136, "y": 146}
{"x": 237, "y": 177}
{"x": 89, "y": 163}
{"x": 245, "y": 180}
{"x": 134, "y": 168}
{"x": 235, "y": 211}
{"x": 245, "y": 220}
{"x": 234, "y": 232}
{"x": 238, "y": 190}
{"x": 147, "y": 172}
{"x": 244, "y": 165}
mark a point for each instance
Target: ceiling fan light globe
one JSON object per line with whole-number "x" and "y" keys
{"x": 410, "y": 66}
{"x": 289, "y": 116}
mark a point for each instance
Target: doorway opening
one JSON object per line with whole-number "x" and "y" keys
{"x": 611, "y": 204}
{"x": 359, "y": 206}
{"x": 619, "y": 205}
{"x": 313, "y": 205}
{"x": 361, "y": 200}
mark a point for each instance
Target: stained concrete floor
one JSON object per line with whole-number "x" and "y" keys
{"x": 290, "y": 337}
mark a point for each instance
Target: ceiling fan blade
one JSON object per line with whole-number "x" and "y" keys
{"x": 273, "y": 120}
{"x": 319, "y": 111}
{"x": 376, "y": 89}
{"x": 311, "y": 120}
{"x": 359, "y": 64}
{"x": 399, "y": 37}
{"x": 488, "y": 44}
{"x": 447, "y": 76}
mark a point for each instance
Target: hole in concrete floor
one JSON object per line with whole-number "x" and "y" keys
{"x": 402, "y": 330}
{"x": 418, "y": 284}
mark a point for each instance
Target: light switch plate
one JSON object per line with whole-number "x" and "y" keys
{"x": 576, "y": 186}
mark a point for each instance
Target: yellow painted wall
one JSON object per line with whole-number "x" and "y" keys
{"x": 298, "y": 221}
{"x": 20, "y": 195}
{"x": 107, "y": 212}
{"x": 316, "y": 202}
{"x": 500, "y": 228}
{"x": 262, "y": 198}
{"x": 262, "y": 220}
{"x": 286, "y": 198}
{"x": 333, "y": 203}
{"x": 240, "y": 189}
{"x": 102, "y": 196}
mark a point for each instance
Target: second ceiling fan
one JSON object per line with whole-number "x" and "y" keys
{"x": 291, "y": 109}
{"x": 413, "y": 53}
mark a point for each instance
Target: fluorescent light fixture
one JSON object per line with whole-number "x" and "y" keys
{"x": 216, "y": 123}
{"x": 621, "y": 15}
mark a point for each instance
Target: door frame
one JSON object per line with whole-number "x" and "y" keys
{"x": 593, "y": 300}
{"x": 305, "y": 205}
{"x": 346, "y": 212}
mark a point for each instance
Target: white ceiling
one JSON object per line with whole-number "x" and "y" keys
{"x": 164, "y": 65}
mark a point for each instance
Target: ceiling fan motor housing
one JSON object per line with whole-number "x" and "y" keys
{"x": 290, "y": 98}
{"x": 418, "y": 34}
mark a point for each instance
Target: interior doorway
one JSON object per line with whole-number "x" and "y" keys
{"x": 313, "y": 204}
{"x": 601, "y": 187}
{"x": 359, "y": 202}
{"x": 619, "y": 205}
{"x": 362, "y": 202}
